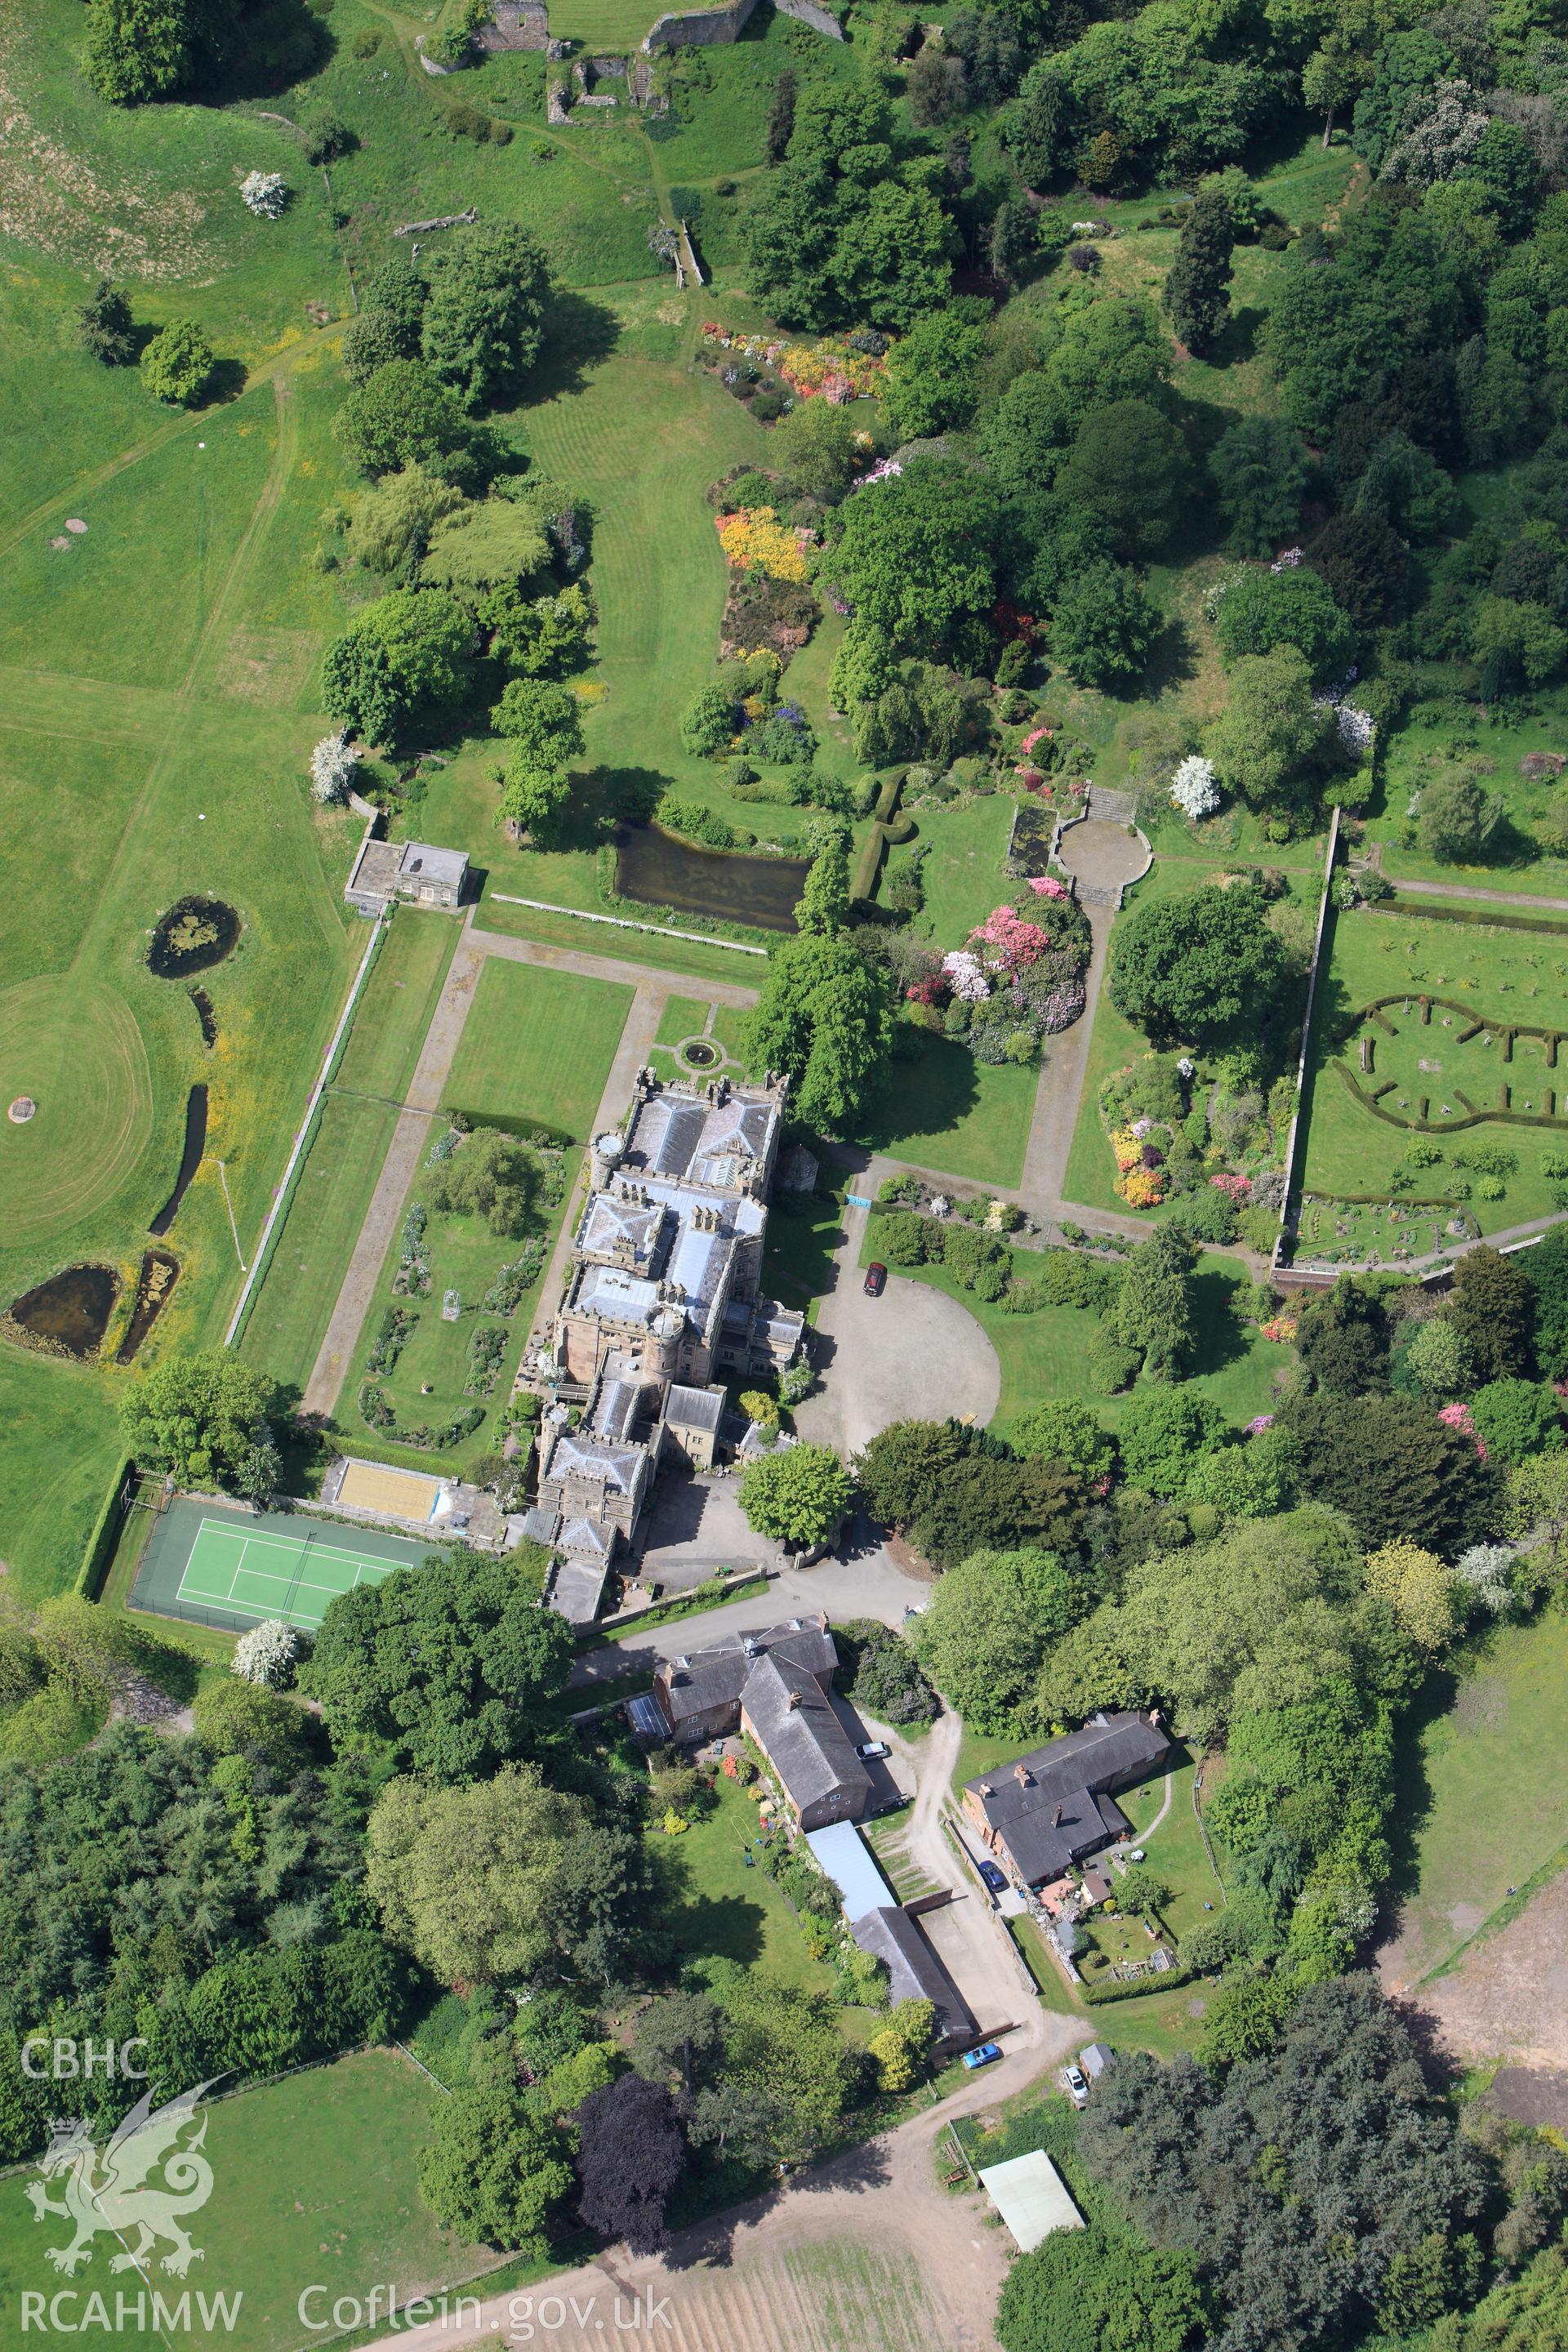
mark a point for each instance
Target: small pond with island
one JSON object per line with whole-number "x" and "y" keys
{"x": 191, "y": 936}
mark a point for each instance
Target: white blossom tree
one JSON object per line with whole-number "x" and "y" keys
{"x": 265, "y": 194}
{"x": 333, "y": 766}
{"x": 1194, "y": 789}
{"x": 269, "y": 1653}
{"x": 1483, "y": 1578}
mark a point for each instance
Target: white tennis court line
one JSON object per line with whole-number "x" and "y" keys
{"x": 292, "y": 1543}
{"x": 299, "y": 1548}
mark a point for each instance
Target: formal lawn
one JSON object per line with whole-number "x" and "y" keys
{"x": 961, "y": 872}
{"x": 939, "y": 1108}
{"x": 1483, "y": 1788}
{"x": 1492, "y": 976}
{"x": 692, "y": 958}
{"x": 289, "y": 1320}
{"x": 313, "y": 2186}
{"x": 683, "y": 1016}
{"x": 538, "y": 1046}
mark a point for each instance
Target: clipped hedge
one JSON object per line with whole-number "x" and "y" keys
{"x": 1500, "y": 919}
{"x": 1164, "y": 1980}
{"x": 105, "y": 1534}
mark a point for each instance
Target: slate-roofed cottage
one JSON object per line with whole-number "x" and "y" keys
{"x": 1049, "y": 1809}
{"x": 773, "y": 1684}
{"x": 793, "y": 1721}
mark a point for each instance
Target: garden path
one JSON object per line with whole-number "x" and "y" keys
{"x": 410, "y": 1137}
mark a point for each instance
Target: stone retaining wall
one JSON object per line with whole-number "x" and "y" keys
{"x": 707, "y": 27}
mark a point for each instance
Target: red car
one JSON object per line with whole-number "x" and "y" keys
{"x": 876, "y": 1281}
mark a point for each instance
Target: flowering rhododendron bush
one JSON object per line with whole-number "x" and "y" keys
{"x": 828, "y": 369}
{"x": 1018, "y": 977}
{"x": 754, "y": 540}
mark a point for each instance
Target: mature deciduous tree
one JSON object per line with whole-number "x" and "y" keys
{"x": 632, "y": 2152}
{"x": 199, "y": 1416}
{"x": 1095, "y": 2290}
{"x": 406, "y": 653}
{"x": 798, "y": 1494}
{"x": 436, "y": 1668}
{"x": 1202, "y": 967}
{"x": 823, "y": 1016}
{"x": 493, "y": 2169}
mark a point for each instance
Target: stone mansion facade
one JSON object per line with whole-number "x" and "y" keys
{"x": 662, "y": 1302}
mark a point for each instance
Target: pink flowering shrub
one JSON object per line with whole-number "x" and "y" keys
{"x": 1459, "y": 1417}
{"x": 1017, "y": 941}
{"x": 1257, "y": 1424}
{"x": 1234, "y": 1188}
{"x": 1040, "y": 735}
{"x": 1046, "y": 885}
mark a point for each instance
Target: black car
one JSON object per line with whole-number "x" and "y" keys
{"x": 876, "y": 1281}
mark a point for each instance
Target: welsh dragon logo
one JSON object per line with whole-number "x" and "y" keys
{"x": 141, "y": 2184}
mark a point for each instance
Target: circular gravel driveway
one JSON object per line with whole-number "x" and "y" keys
{"x": 913, "y": 1354}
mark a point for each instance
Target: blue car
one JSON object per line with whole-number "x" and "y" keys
{"x": 986, "y": 2055}
{"x": 996, "y": 1880}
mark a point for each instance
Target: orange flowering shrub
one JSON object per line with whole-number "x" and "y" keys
{"x": 754, "y": 540}
{"x": 1142, "y": 1188}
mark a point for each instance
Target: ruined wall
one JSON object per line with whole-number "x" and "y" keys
{"x": 707, "y": 27}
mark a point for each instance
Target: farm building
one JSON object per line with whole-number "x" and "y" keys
{"x": 1055, "y": 1805}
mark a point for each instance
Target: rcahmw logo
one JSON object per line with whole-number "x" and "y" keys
{"x": 138, "y": 2189}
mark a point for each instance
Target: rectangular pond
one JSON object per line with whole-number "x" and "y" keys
{"x": 660, "y": 870}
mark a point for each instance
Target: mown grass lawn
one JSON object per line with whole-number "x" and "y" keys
{"x": 285, "y": 1327}
{"x": 314, "y": 2185}
{"x": 938, "y": 1107}
{"x": 131, "y": 660}
{"x": 961, "y": 872}
{"x": 538, "y": 1045}
{"x": 715, "y": 1904}
{"x": 1483, "y": 1798}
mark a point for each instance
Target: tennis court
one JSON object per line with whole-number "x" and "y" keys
{"x": 231, "y": 1569}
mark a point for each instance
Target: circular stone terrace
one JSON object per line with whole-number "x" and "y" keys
{"x": 1106, "y": 856}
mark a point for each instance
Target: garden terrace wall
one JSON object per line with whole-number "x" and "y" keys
{"x": 1293, "y": 1141}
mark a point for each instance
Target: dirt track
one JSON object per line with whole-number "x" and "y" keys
{"x": 866, "y": 2253}
{"x": 1509, "y": 1996}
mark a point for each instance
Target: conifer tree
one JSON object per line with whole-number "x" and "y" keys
{"x": 1197, "y": 288}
